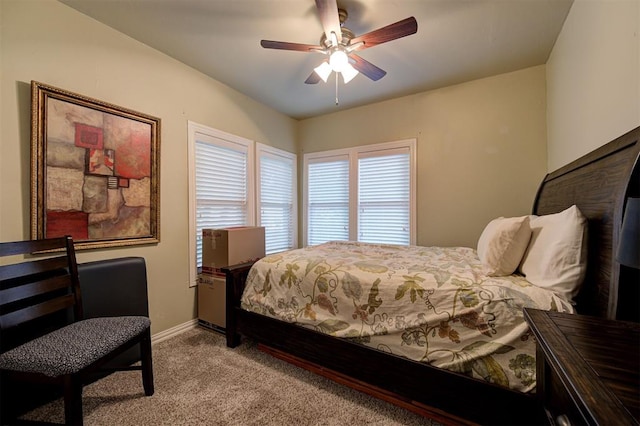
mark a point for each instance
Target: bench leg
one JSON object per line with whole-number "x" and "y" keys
{"x": 73, "y": 400}
{"x": 147, "y": 364}
{"x": 7, "y": 410}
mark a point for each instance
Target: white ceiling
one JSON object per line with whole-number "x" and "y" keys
{"x": 457, "y": 41}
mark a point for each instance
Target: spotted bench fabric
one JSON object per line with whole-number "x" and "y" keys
{"x": 74, "y": 347}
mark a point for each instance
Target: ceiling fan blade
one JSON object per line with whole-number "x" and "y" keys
{"x": 328, "y": 11}
{"x": 314, "y": 78}
{"x": 394, "y": 31}
{"x": 367, "y": 68}
{"x": 283, "y": 45}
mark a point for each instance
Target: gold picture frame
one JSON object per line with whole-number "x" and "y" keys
{"x": 94, "y": 170}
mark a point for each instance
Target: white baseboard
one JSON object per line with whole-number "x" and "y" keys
{"x": 173, "y": 331}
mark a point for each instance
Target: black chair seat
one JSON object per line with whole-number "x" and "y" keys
{"x": 74, "y": 347}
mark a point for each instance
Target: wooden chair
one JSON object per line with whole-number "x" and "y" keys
{"x": 40, "y": 298}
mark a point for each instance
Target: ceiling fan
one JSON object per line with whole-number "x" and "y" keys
{"x": 340, "y": 44}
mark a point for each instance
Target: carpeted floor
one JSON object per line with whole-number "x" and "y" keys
{"x": 199, "y": 381}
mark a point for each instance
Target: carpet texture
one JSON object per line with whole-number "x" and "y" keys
{"x": 199, "y": 381}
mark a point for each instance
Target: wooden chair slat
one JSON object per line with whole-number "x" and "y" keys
{"x": 15, "y": 318}
{"x": 25, "y": 269}
{"x": 26, "y": 291}
{"x": 32, "y": 246}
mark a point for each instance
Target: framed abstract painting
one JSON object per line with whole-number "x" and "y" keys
{"x": 94, "y": 170}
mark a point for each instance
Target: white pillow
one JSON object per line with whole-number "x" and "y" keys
{"x": 557, "y": 254}
{"x": 502, "y": 245}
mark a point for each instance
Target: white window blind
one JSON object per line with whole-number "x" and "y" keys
{"x": 384, "y": 198}
{"x": 223, "y": 189}
{"x": 277, "y": 200}
{"x": 328, "y": 201}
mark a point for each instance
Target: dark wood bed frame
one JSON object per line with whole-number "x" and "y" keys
{"x": 598, "y": 183}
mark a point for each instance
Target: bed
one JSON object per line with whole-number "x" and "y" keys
{"x": 400, "y": 356}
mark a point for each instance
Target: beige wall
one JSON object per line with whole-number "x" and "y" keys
{"x": 49, "y": 42}
{"x": 481, "y": 149}
{"x": 593, "y": 78}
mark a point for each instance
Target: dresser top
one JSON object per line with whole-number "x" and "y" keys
{"x": 597, "y": 359}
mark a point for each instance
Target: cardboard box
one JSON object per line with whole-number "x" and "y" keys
{"x": 211, "y": 302}
{"x": 230, "y": 246}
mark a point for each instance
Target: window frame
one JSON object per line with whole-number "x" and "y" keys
{"x": 195, "y": 129}
{"x": 354, "y": 154}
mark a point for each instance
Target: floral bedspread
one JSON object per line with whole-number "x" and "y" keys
{"x": 429, "y": 304}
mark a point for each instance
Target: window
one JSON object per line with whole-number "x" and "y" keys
{"x": 364, "y": 194}
{"x": 277, "y": 209}
{"x": 221, "y": 185}
{"x": 384, "y": 197}
{"x": 328, "y": 199}
{"x": 222, "y": 193}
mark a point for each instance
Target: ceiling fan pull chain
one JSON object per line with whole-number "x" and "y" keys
{"x": 336, "y": 88}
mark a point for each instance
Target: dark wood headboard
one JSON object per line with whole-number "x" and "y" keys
{"x": 599, "y": 184}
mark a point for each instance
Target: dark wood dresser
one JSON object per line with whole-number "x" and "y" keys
{"x": 588, "y": 368}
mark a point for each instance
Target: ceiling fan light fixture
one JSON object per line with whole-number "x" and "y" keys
{"x": 323, "y": 70}
{"x": 338, "y": 60}
{"x": 348, "y": 73}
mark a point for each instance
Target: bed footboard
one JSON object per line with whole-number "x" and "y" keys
{"x": 236, "y": 278}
